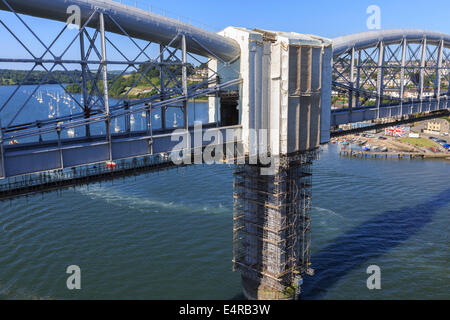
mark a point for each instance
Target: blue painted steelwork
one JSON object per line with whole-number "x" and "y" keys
{"x": 138, "y": 23}
{"x": 361, "y": 114}
{"x": 174, "y": 35}
{"x": 175, "y": 41}
{"x": 370, "y": 39}
{"x": 389, "y": 74}
{"x": 24, "y": 159}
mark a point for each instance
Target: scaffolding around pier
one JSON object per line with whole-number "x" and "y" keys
{"x": 272, "y": 222}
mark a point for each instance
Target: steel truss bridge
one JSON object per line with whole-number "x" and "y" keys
{"x": 389, "y": 74}
{"x": 379, "y": 74}
{"x": 110, "y": 38}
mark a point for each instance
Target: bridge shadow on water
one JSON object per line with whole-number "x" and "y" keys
{"x": 373, "y": 238}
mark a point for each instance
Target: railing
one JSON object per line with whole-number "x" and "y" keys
{"x": 148, "y": 6}
{"x": 57, "y": 179}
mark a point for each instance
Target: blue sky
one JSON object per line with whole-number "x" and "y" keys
{"x": 324, "y": 18}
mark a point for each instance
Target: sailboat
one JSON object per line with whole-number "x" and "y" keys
{"x": 39, "y": 97}
{"x": 116, "y": 127}
{"x": 175, "y": 124}
{"x": 51, "y": 112}
{"x": 71, "y": 132}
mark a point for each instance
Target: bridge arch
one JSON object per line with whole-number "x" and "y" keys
{"x": 372, "y": 38}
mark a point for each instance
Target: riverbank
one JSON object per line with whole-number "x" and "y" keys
{"x": 387, "y": 147}
{"x": 119, "y": 91}
{"x": 392, "y": 155}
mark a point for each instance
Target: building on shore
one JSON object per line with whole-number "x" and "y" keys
{"x": 437, "y": 126}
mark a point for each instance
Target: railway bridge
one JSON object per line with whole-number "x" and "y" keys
{"x": 272, "y": 98}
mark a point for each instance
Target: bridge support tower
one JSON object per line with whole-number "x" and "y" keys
{"x": 272, "y": 227}
{"x": 284, "y": 108}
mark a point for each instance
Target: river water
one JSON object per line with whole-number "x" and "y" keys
{"x": 168, "y": 235}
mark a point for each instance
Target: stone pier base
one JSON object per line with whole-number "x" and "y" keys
{"x": 254, "y": 290}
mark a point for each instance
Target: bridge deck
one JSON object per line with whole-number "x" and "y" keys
{"x": 57, "y": 155}
{"x": 51, "y": 181}
{"x": 360, "y": 114}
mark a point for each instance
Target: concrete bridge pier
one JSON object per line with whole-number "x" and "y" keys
{"x": 284, "y": 108}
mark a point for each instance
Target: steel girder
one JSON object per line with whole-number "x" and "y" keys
{"x": 104, "y": 59}
{"x": 95, "y": 103}
{"x": 140, "y": 24}
{"x": 389, "y": 68}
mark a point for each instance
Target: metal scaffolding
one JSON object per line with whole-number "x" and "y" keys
{"x": 272, "y": 222}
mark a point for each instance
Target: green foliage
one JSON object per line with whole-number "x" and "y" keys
{"x": 15, "y": 77}
{"x": 120, "y": 86}
{"x": 290, "y": 291}
{"x": 419, "y": 142}
{"x": 144, "y": 81}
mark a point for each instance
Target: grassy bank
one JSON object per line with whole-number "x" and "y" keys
{"x": 142, "y": 86}
{"x": 419, "y": 142}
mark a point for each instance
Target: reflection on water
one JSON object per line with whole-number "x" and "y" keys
{"x": 52, "y": 102}
{"x": 168, "y": 235}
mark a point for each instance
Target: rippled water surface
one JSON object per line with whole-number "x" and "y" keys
{"x": 169, "y": 235}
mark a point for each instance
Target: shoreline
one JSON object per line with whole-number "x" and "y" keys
{"x": 205, "y": 100}
{"x": 386, "y": 147}
{"x": 393, "y": 155}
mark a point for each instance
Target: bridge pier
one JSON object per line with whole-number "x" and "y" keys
{"x": 284, "y": 108}
{"x": 272, "y": 227}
